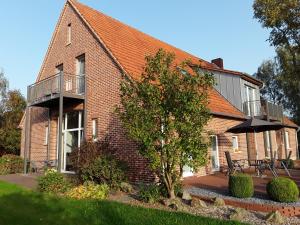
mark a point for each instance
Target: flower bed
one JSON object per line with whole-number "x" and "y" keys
{"x": 255, "y": 204}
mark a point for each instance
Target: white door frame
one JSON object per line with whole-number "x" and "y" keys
{"x": 64, "y": 130}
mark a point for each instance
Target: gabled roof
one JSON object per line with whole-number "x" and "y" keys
{"x": 289, "y": 123}
{"x": 128, "y": 47}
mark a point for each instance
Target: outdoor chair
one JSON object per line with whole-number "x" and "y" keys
{"x": 233, "y": 165}
{"x": 286, "y": 163}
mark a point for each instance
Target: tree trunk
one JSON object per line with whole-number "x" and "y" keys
{"x": 172, "y": 193}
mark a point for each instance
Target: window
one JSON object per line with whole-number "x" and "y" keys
{"x": 267, "y": 144}
{"x": 250, "y": 101}
{"x": 80, "y": 65}
{"x": 235, "y": 143}
{"x": 46, "y": 135}
{"x": 69, "y": 34}
{"x": 59, "y": 69}
{"x": 287, "y": 139}
{"x": 94, "y": 129}
{"x": 80, "y": 72}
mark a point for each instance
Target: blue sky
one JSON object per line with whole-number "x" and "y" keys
{"x": 207, "y": 29}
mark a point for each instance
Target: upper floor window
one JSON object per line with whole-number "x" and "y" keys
{"x": 69, "y": 34}
{"x": 250, "y": 101}
{"x": 80, "y": 65}
{"x": 59, "y": 68}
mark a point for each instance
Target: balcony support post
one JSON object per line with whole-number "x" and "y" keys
{"x": 60, "y": 121}
{"x": 27, "y": 129}
{"x": 269, "y": 133}
{"x": 48, "y": 138}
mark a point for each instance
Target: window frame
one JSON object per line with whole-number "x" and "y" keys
{"x": 287, "y": 139}
{"x": 236, "y": 137}
{"x": 95, "y": 129}
{"x": 46, "y": 140}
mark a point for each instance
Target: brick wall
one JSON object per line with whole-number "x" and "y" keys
{"x": 218, "y": 126}
{"x": 103, "y": 79}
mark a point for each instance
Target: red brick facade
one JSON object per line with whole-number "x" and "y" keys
{"x": 103, "y": 77}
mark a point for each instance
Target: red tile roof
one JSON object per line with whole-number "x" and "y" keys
{"x": 289, "y": 123}
{"x": 130, "y": 46}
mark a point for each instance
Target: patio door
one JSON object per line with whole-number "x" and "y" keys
{"x": 215, "y": 162}
{"x": 72, "y": 135}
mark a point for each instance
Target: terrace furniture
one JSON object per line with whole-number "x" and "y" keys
{"x": 233, "y": 165}
{"x": 285, "y": 163}
{"x": 261, "y": 165}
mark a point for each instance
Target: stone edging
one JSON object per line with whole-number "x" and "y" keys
{"x": 284, "y": 210}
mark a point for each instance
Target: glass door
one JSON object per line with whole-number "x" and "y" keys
{"x": 214, "y": 153}
{"x": 72, "y": 136}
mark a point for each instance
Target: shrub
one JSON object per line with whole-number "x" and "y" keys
{"x": 11, "y": 164}
{"x": 95, "y": 161}
{"x": 105, "y": 170}
{"x": 282, "y": 189}
{"x": 89, "y": 190}
{"x": 241, "y": 185}
{"x": 149, "y": 193}
{"x": 126, "y": 187}
{"x": 53, "y": 182}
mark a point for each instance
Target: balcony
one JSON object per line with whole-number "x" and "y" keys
{"x": 263, "y": 109}
{"x": 49, "y": 90}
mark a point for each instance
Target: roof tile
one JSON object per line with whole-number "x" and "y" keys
{"x": 130, "y": 47}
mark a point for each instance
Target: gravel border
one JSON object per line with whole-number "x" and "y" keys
{"x": 212, "y": 194}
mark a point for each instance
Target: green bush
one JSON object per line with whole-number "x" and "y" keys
{"x": 105, "y": 170}
{"x": 53, "y": 182}
{"x": 241, "y": 185}
{"x": 149, "y": 193}
{"x": 282, "y": 189}
{"x": 11, "y": 164}
{"x": 89, "y": 190}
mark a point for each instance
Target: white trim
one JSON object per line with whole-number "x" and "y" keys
{"x": 64, "y": 131}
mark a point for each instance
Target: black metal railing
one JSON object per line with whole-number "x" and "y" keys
{"x": 50, "y": 87}
{"x": 263, "y": 108}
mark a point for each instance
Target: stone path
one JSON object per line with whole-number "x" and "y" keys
{"x": 25, "y": 180}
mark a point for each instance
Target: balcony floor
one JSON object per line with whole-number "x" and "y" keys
{"x": 52, "y": 101}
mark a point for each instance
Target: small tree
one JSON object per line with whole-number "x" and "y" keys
{"x": 166, "y": 112}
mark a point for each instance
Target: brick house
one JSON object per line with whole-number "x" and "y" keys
{"x": 77, "y": 90}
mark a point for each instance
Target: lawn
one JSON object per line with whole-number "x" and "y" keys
{"x": 24, "y": 207}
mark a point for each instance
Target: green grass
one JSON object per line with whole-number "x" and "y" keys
{"x": 24, "y": 207}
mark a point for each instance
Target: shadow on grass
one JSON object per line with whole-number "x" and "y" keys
{"x": 30, "y": 208}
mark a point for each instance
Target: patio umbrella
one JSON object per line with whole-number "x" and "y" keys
{"x": 255, "y": 125}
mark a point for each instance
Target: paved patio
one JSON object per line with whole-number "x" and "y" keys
{"x": 219, "y": 182}
{"x": 25, "y": 180}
